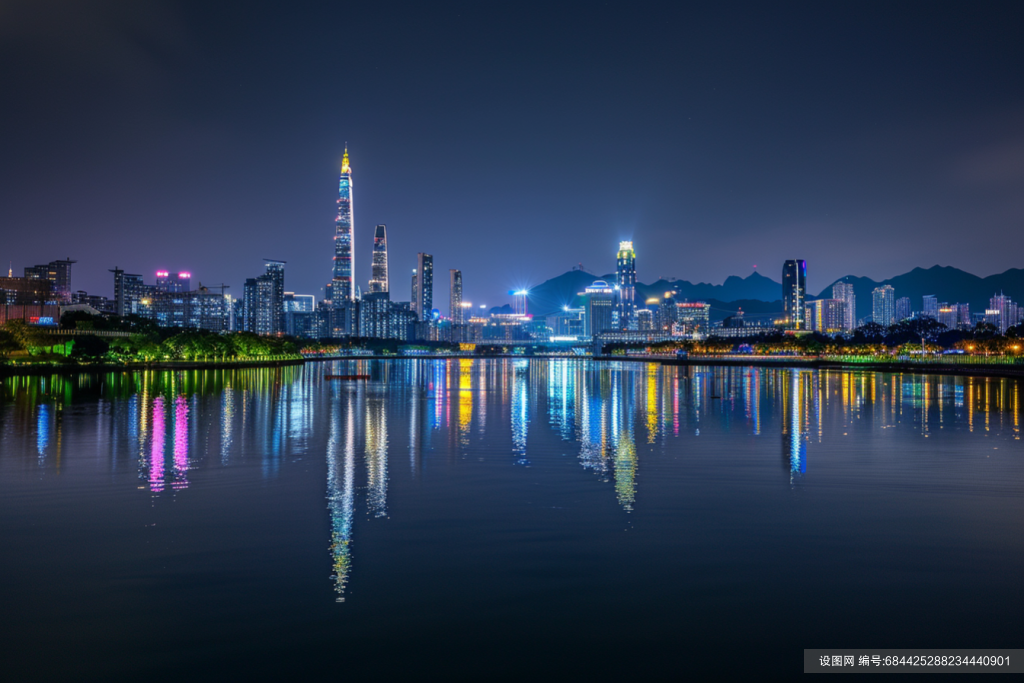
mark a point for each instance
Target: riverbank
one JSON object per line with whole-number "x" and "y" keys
{"x": 80, "y": 368}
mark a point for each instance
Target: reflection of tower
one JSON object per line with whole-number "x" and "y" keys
{"x": 794, "y": 446}
{"x": 377, "y": 456}
{"x": 520, "y": 410}
{"x": 379, "y": 270}
{"x": 623, "y": 407}
{"x": 340, "y": 491}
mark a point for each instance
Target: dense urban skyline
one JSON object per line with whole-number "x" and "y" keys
{"x": 489, "y": 137}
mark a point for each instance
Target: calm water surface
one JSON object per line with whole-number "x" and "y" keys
{"x": 467, "y": 517}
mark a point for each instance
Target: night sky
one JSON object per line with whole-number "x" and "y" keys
{"x": 512, "y": 140}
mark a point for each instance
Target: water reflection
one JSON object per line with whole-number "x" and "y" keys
{"x": 166, "y": 428}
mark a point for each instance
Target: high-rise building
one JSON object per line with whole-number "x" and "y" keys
{"x": 844, "y": 292}
{"x": 693, "y": 318}
{"x": 455, "y": 310}
{"x": 166, "y": 282}
{"x": 883, "y": 305}
{"x": 129, "y": 293}
{"x": 827, "y": 316}
{"x": 379, "y": 269}
{"x": 342, "y": 291}
{"x": 1006, "y": 313}
{"x": 598, "y": 308}
{"x": 625, "y": 271}
{"x": 264, "y": 301}
{"x": 930, "y": 307}
{"x": 58, "y": 273}
{"x": 794, "y": 292}
{"x": 423, "y": 286}
{"x": 299, "y": 303}
{"x": 903, "y": 308}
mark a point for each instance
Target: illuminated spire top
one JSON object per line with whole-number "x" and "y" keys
{"x": 345, "y": 168}
{"x": 626, "y": 250}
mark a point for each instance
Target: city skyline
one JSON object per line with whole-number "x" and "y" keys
{"x": 731, "y": 158}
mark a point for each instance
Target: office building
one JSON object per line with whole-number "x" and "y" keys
{"x": 455, "y": 309}
{"x": 423, "y": 286}
{"x": 843, "y": 291}
{"x": 625, "y": 272}
{"x": 883, "y": 305}
{"x": 794, "y": 292}
{"x": 598, "y": 308}
{"x": 58, "y": 274}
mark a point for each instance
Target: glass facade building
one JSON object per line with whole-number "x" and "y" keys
{"x": 844, "y": 292}
{"x": 883, "y": 305}
{"x": 379, "y": 268}
{"x": 794, "y": 292}
{"x": 625, "y": 274}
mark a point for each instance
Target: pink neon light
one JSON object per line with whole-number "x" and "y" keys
{"x": 162, "y": 273}
{"x": 180, "y": 443}
{"x": 156, "y": 458}
{"x": 184, "y": 275}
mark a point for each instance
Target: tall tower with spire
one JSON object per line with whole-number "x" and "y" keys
{"x": 342, "y": 291}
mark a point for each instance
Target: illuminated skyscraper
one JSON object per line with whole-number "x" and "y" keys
{"x": 455, "y": 310}
{"x": 263, "y": 306}
{"x": 883, "y": 305}
{"x": 1006, "y": 311}
{"x": 902, "y": 308}
{"x": 794, "y": 291}
{"x": 423, "y": 286}
{"x": 379, "y": 271}
{"x": 930, "y": 306}
{"x": 342, "y": 291}
{"x": 625, "y": 270}
{"x": 598, "y": 307}
{"x": 844, "y": 292}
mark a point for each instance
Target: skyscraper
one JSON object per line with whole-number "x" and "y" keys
{"x": 423, "y": 286}
{"x": 844, "y": 292}
{"x": 883, "y": 305}
{"x": 379, "y": 270}
{"x": 599, "y": 299}
{"x": 455, "y": 310}
{"x": 903, "y": 308}
{"x": 341, "y": 281}
{"x": 930, "y": 307}
{"x": 1006, "y": 311}
{"x": 794, "y": 291}
{"x": 625, "y": 270}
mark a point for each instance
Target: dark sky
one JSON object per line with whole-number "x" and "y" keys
{"x": 512, "y": 140}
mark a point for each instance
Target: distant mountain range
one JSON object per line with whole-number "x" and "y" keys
{"x": 945, "y": 282}
{"x": 758, "y": 295}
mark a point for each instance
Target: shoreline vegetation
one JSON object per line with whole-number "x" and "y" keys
{"x": 87, "y": 344}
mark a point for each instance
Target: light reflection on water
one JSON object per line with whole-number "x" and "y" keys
{"x": 609, "y": 417}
